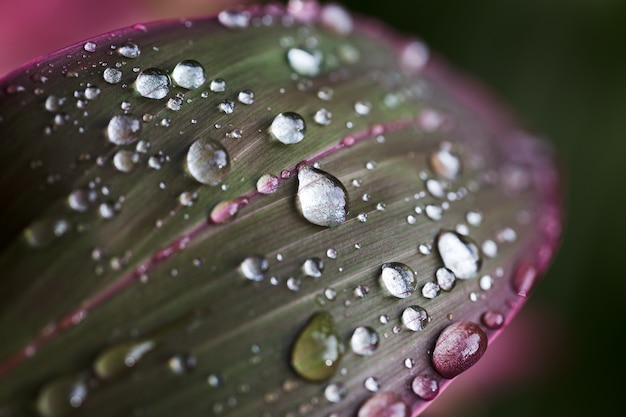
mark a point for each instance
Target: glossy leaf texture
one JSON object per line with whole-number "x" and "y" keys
{"x": 273, "y": 211}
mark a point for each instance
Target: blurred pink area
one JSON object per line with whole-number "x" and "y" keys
{"x": 31, "y": 28}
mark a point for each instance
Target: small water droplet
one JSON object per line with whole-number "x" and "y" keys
{"x": 384, "y": 404}
{"x": 325, "y": 93}
{"x": 459, "y": 254}
{"x": 436, "y": 188}
{"x": 371, "y": 384}
{"x": 129, "y": 50}
{"x": 125, "y": 160}
{"x": 445, "y": 163}
{"x": 303, "y": 62}
{"x": 92, "y": 92}
{"x": 218, "y": 85}
{"x": 234, "y": 19}
{"x": 524, "y": 279}
{"x": 336, "y": 18}
{"x": 313, "y": 267}
{"x": 430, "y": 290}
{"x": 330, "y": 294}
{"x": 81, "y": 200}
{"x": 117, "y": 359}
{"x": 362, "y": 108}
{"x": 425, "y": 387}
{"x": 424, "y": 249}
{"x": 364, "y": 341}
{"x": 254, "y": 267}
{"x": 227, "y": 106}
{"x": 214, "y": 380}
{"x": 61, "y": 396}
{"x": 398, "y": 279}
{"x": 336, "y": 392}
{"x": 474, "y": 218}
{"x": 153, "y": 83}
{"x": 267, "y": 184}
{"x": 323, "y": 117}
{"x": 246, "y": 97}
{"x": 331, "y": 253}
{"x": 493, "y": 319}
{"x": 458, "y": 348}
{"x": 226, "y": 210}
{"x": 489, "y": 248}
{"x": 189, "y": 74}
{"x": 321, "y": 199}
{"x": 433, "y": 212}
{"x": 414, "y": 56}
{"x": 415, "y": 318}
{"x": 288, "y": 128}
{"x": 294, "y": 284}
{"x": 112, "y": 75}
{"x": 181, "y": 364}
{"x": 318, "y": 349}
{"x": 207, "y": 161}
{"x": 445, "y": 279}
{"x": 90, "y": 46}
{"x": 123, "y": 130}
{"x": 485, "y": 283}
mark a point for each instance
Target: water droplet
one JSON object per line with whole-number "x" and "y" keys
{"x": 430, "y": 290}
{"x": 336, "y": 392}
{"x": 92, "y": 92}
{"x": 384, "y": 404}
{"x": 361, "y": 291}
{"x": 337, "y": 19}
{"x": 153, "y": 83}
{"x": 54, "y": 103}
{"x": 189, "y": 74}
{"x": 81, "y": 200}
{"x": 313, "y": 267}
{"x": 234, "y": 19}
{"x": 414, "y": 56}
{"x": 129, "y": 50}
{"x": 321, "y": 199}
{"x": 227, "y": 106}
{"x": 325, "y": 93}
{"x": 112, "y": 75}
{"x": 117, "y": 359}
{"x": 436, "y": 188}
{"x": 485, "y": 283}
{"x": 124, "y": 160}
{"x": 445, "y": 279}
{"x": 123, "y": 130}
{"x": 424, "y": 249}
{"x": 254, "y": 267}
{"x": 364, "y": 341}
{"x": 207, "y": 161}
{"x": 458, "y": 348}
{"x": 267, "y": 184}
{"x": 524, "y": 279}
{"x": 90, "y": 46}
{"x": 490, "y": 248}
{"x": 226, "y": 210}
{"x": 218, "y": 85}
{"x": 459, "y": 254}
{"x": 371, "y": 384}
{"x": 445, "y": 163}
{"x": 288, "y": 128}
{"x": 181, "y": 364}
{"x": 318, "y": 349}
{"x": 61, "y": 396}
{"x": 331, "y": 253}
{"x": 246, "y": 97}
{"x": 294, "y": 284}
{"x": 415, "y": 318}
{"x": 362, "y": 108}
{"x": 433, "y": 212}
{"x": 303, "y": 62}
{"x": 323, "y": 117}
{"x": 425, "y": 387}
{"x": 214, "y": 380}
{"x": 398, "y": 279}
{"x": 474, "y": 218}
{"x": 330, "y": 294}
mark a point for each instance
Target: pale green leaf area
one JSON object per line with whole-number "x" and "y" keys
{"x": 125, "y": 291}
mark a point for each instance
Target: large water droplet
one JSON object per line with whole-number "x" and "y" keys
{"x": 398, "y": 279}
{"x": 61, "y": 397}
{"x": 415, "y": 318}
{"x": 123, "y": 130}
{"x": 153, "y": 83}
{"x": 189, "y": 74}
{"x": 425, "y": 387}
{"x": 112, "y": 75}
{"x": 117, "y": 359}
{"x": 322, "y": 199}
{"x": 445, "y": 163}
{"x": 303, "y": 62}
{"x": 254, "y": 267}
{"x": 207, "y": 161}
{"x": 288, "y": 128}
{"x": 458, "y": 348}
{"x": 384, "y": 404}
{"x": 364, "y": 341}
{"x": 459, "y": 254}
{"x": 318, "y": 349}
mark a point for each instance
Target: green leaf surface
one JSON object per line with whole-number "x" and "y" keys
{"x": 143, "y": 275}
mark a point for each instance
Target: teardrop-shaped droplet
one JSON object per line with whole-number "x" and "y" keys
{"x": 189, "y": 74}
{"x": 318, "y": 349}
{"x": 305, "y": 62}
{"x": 118, "y": 359}
{"x": 364, "y": 341}
{"x": 207, "y": 161}
{"x": 254, "y": 267}
{"x": 524, "y": 278}
{"x": 445, "y": 163}
{"x": 288, "y": 128}
{"x": 458, "y": 348}
{"x": 153, "y": 83}
{"x": 398, "y": 279}
{"x": 384, "y": 404}
{"x": 459, "y": 253}
{"x": 415, "y": 318}
{"x": 123, "y": 129}
{"x": 61, "y": 397}
{"x": 322, "y": 199}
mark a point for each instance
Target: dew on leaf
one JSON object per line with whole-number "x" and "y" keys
{"x": 372, "y": 384}
{"x": 436, "y": 188}
{"x": 362, "y": 108}
{"x": 445, "y": 163}
{"x": 325, "y": 93}
{"x": 189, "y": 74}
{"x": 218, "y": 85}
{"x": 485, "y": 282}
{"x": 430, "y": 290}
{"x": 318, "y": 349}
{"x": 267, "y": 184}
{"x": 129, "y": 50}
{"x": 54, "y": 103}
{"x": 384, "y": 404}
{"x": 294, "y": 284}
{"x": 313, "y": 267}
{"x": 153, "y": 83}
{"x": 414, "y": 56}
{"x": 227, "y": 106}
{"x": 112, "y": 75}
{"x": 458, "y": 348}
{"x": 524, "y": 279}
{"x": 92, "y": 92}
{"x": 181, "y": 364}
{"x": 90, "y": 46}
{"x": 125, "y": 160}
{"x": 117, "y": 359}
{"x": 174, "y": 103}
{"x": 254, "y": 267}
{"x": 303, "y": 62}
{"x": 81, "y": 200}
{"x": 336, "y": 18}
{"x": 492, "y": 319}
{"x": 489, "y": 248}
{"x": 425, "y": 387}
{"x": 459, "y": 254}
{"x": 445, "y": 279}
{"x": 123, "y": 130}
{"x": 288, "y": 128}
{"x": 415, "y": 318}
{"x": 321, "y": 199}
{"x": 61, "y": 396}
{"x": 323, "y": 117}
{"x": 433, "y": 212}
{"x": 335, "y": 392}
{"x": 398, "y": 279}
{"x": 364, "y": 341}
{"x": 207, "y": 161}
{"x": 234, "y": 19}
{"x": 246, "y": 97}
{"x": 474, "y": 218}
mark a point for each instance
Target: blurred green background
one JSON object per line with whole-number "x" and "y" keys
{"x": 561, "y": 65}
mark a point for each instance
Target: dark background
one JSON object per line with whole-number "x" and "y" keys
{"x": 561, "y": 65}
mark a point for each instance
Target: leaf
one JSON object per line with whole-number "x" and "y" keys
{"x": 272, "y": 211}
